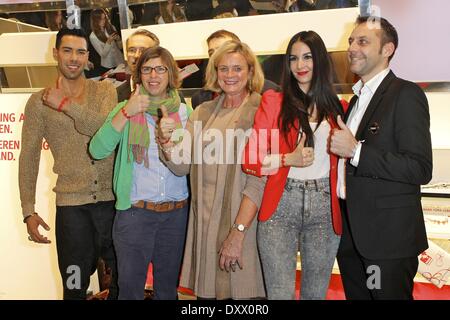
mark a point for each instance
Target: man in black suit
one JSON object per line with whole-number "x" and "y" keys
{"x": 385, "y": 150}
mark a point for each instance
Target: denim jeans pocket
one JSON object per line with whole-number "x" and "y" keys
{"x": 124, "y": 221}
{"x": 325, "y": 190}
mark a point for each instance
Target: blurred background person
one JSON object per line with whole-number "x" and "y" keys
{"x": 105, "y": 40}
{"x": 225, "y": 9}
{"x": 140, "y": 40}
{"x": 170, "y": 11}
{"x": 198, "y": 9}
{"x": 54, "y": 20}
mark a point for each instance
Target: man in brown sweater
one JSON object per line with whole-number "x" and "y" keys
{"x": 67, "y": 116}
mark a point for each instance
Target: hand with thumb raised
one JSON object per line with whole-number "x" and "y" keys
{"x": 302, "y": 156}
{"x": 342, "y": 141}
{"x": 137, "y": 103}
{"x": 341, "y": 123}
{"x": 54, "y": 97}
{"x": 166, "y": 125}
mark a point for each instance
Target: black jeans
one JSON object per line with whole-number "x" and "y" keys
{"x": 83, "y": 235}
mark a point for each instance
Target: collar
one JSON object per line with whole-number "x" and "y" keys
{"x": 371, "y": 85}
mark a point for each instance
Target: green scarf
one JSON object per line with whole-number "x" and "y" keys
{"x": 139, "y": 137}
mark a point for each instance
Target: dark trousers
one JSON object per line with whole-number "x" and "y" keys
{"x": 83, "y": 235}
{"x": 366, "y": 279}
{"x": 142, "y": 236}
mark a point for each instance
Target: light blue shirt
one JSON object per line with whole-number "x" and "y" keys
{"x": 157, "y": 183}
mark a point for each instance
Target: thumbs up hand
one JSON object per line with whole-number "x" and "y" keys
{"x": 166, "y": 125}
{"x": 52, "y": 97}
{"x": 302, "y": 156}
{"x": 137, "y": 103}
{"x": 342, "y": 141}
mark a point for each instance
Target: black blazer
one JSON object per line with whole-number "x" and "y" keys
{"x": 383, "y": 192}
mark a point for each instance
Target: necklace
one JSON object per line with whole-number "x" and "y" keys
{"x": 312, "y": 114}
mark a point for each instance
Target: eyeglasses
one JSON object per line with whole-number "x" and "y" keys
{"x": 158, "y": 70}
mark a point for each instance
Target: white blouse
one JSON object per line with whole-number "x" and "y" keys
{"x": 321, "y": 164}
{"x": 110, "y": 54}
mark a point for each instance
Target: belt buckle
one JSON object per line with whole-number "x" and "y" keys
{"x": 164, "y": 206}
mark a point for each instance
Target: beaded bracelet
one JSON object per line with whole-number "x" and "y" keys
{"x": 283, "y": 160}
{"x": 62, "y": 103}
{"x": 26, "y": 218}
{"x": 125, "y": 114}
{"x": 162, "y": 142}
{"x": 167, "y": 150}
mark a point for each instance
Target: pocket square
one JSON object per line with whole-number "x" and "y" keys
{"x": 374, "y": 127}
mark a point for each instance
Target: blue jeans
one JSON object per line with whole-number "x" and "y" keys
{"x": 142, "y": 236}
{"x": 302, "y": 222}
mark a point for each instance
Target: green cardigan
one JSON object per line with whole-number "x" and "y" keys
{"x": 104, "y": 143}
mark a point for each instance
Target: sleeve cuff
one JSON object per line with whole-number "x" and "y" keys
{"x": 25, "y": 217}
{"x": 355, "y": 160}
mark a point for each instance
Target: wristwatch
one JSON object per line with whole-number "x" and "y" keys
{"x": 239, "y": 227}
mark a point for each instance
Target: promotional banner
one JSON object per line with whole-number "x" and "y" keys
{"x": 27, "y": 270}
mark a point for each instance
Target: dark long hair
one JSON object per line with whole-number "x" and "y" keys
{"x": 321, "y": 93}
{"x": 95, "y": 25}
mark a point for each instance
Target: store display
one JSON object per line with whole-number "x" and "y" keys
{"x": 434, "y": 265}
{"x": 437, "y": 217}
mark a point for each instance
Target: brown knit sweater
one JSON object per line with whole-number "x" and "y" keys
{"x": 81, "y": 179}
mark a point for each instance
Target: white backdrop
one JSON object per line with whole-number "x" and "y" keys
{"x": 27, "y": 270}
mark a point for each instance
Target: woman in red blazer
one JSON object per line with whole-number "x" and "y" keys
{"x": 300, "y": 209}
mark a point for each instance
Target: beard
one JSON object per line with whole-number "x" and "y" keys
{"x": 69, "y": 74}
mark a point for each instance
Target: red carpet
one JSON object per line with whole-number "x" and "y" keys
{"x": 422, "y": 291}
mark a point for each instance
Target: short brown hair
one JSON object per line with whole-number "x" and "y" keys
{"x": 145, "y": 33}
{"x": 222, "y": 34}
{"x": 389, "y": 33}
{"x": 167, "y": 59}
{"x": 255, "y": 82}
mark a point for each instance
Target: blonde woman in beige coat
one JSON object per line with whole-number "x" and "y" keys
{"x": 221, "y": 259}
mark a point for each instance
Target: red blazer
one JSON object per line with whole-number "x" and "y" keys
{"x": 266, "y": 118}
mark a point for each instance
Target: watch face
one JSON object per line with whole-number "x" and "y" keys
{"x": 240, "y": 227}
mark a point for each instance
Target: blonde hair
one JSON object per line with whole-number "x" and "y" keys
{"x": 256, "y": 76}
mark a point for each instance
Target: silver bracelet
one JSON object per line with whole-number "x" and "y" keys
{"x": 167, "y": 150}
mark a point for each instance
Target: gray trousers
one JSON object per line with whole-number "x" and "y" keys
{"x": 302, "y": 222}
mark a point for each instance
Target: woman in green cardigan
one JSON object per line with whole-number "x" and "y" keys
{"x": 151, "y": 201}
